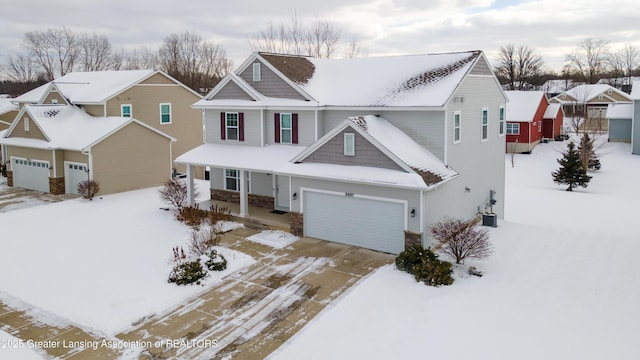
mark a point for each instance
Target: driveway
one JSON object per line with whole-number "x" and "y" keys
{"x": 254, "y": 311}
{"x": 12, "y": 198}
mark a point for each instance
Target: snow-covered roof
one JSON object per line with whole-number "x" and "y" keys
{"x": 413, "y": 80}
{"x": 635, "y": 90}
{"x": 552, "y": 111}
{"x": 619, "y": 111}
{"x": 7, "y": 105}
{"x": 587, "y": 92}
{"x": 557, "y": 86}
{"x": 522, "y": 105}
{"x": 243, "y": 157}
{"x": 68, "y": 127}
{"x": 88, "y": 87}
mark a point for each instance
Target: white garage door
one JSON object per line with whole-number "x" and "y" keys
{"x": 74, "y": 173}
{"x": 352, "y": 220}
{"x": 30, "y": 174}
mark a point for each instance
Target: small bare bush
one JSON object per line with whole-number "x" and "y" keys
{"x": 461, "y": 239}
{"x": 218, "y": 213}
{"x": 88, "y": 189}
{"x": 191, "y": 215}
{"x": 202, "y": 240}
{"x": 174, "y": 192}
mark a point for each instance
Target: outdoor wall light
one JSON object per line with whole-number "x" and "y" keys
{"x": 413, "y": 213}
{"x": 294, "y": 196}
{"x": 467, "y": 189}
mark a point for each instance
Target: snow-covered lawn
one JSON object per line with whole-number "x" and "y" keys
{"x": 563, "y": 281}
{"x": 18, "y": 348}
{"x": 101, "y": 264}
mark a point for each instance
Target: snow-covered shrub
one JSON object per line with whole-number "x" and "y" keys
{"x": 187, "y": 273}
{"x": 461, "y": 239}
{"x": 216, "y": 262}
{"x": 425, "y": 266}
{"x": 88, "y": 189}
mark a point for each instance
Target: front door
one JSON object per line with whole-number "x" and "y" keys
{"x": 282, "y": 192}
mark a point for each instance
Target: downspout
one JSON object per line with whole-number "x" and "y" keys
{"x": 422, "y": 215}
{"x": 262, "y": 127}
{"x": 315, "y": 121}
{"x": 55, "y": 170}
{"x": 446, "y": 138}
{"x": 90, "y": 156}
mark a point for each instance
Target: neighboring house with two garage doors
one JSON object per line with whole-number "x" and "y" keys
{"x": 144, "y": 117}
{"x": 365, "y": 151}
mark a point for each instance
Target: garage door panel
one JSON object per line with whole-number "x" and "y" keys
{"x": 74, "y": 173}
{"x": 358, "y": 221}
{"x": 30, "y": 174}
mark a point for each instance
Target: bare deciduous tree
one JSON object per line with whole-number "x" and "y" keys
{"x": 55, "y": 50}
{"x": 95, "y": 52}
{"x": 589, "y": 59}
{"x": 630, "y": 60}
{"x": 193, "y": 61}
{"x": 519, "y": 66}
{"x": 141, "y": 58}
{"x": 461, "y": 239}
{"x": 319, "y": 38}
{"x": 20, "y": 68}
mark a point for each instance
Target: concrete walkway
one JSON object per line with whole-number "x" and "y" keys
{"x": 246, "y": 316}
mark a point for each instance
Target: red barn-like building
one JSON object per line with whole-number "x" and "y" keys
{"x": 525, "y": 119}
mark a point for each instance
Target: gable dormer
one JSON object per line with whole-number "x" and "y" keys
{"x": 269, "y": 75}
{"x": 230, "y": 90}
{"x": 481, "y": 67}
{"x": 53, "y": 96}
{"x": 25, "y": 127}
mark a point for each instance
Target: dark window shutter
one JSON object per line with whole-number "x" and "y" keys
{"x": 223, "y": 126}
{"x": 241, "y": 126}
{"x": 276, "y": 126}
{"x": 294, "y": 129}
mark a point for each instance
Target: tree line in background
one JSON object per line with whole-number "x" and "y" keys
{"x": 188, "y": 57}
{"x": 521, "y": 67}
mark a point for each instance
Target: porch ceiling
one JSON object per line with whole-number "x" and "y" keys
{"x": 242, "y": 157}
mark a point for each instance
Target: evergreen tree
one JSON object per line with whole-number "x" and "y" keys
{"x": 571, "y": 171}
{"x": 588, "y": 156}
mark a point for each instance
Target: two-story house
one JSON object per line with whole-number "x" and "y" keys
{"x": 364, "y": 151}
{"x": 49, "y": 151}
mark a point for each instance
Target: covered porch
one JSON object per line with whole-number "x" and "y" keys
{"x": 256, "y": 215}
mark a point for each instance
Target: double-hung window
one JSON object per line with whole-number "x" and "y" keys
{"x": 285, "y": 128}
{"x": 513, "y": 128}
{"x": 501, "y": 120}
{"x": 457, "y": 122}
{"x": 232, "y": 180}
{"x": 231, "y": 126}
{"x": 485, "y": 124}
{"x": 165, "y": 113}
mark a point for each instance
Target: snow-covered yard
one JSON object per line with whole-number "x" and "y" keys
{"x": 563, "y": 281}
{"x": 101, "y": 264}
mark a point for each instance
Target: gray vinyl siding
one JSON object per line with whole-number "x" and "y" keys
{"x": 481, "y": 68}
{"x": 252, "y": 129}
{"x": 306, "y": 126}
{"x": 635, "y": 126}
{"x": 620, "y": 130}
{"x": 366, "y": 154}
{"x": 270, "y": 83}
{"x": 424, "y": 127}
{"x": 261, "y": 184}
{"x": 232, "y": 91}
{"x": 479, "y": 163}
{"x": 412, "y": 196}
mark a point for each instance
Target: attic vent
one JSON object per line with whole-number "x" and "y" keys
{"x": 51, "y": 113}
{"x": 360, "y": 121}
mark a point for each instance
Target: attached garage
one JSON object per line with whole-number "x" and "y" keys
{"x": 351, "y": 219}
{"x": 620, "y": 130}
{"x": 30, "y": 174}
{"x": 74, "y": 173}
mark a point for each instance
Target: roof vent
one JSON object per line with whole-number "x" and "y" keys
{"x": 51, "y": 113}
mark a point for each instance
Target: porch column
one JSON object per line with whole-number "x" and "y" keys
{"x": 190, "y": 185}
{"x": 244, "y": 199}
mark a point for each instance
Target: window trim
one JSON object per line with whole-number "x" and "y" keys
{"x": 501, "y": 120}
{"x": 227, "y": 126}
{"x": 349, "y": 144}
{"x": 122, "y": 106}
{"x": 170, "y": 119}
{"x": 257, "y": 72}
{"x": 26, "y": 124}
{"x": 484, "y": 124}
{"x": 459, "y": 127}
{"x": 54, "y": 101}
{"x": 283, "y": 129}
{"x": 513, "y": 125}
{"x": 237, "y": 180}
{"x": 539, "y": 126}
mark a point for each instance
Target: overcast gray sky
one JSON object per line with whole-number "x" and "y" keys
{"x": 384, "y": 27}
